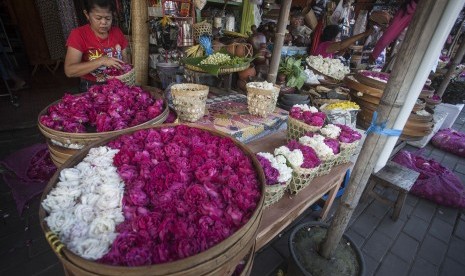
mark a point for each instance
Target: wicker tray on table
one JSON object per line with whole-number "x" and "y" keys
{"x": 328, "y": 80}
{"x": 363, "y": 76}
{"x": 223, "y": 70}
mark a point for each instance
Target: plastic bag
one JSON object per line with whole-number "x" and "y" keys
{"x": 435, "y": 183}
{"x": 450, "y": 140}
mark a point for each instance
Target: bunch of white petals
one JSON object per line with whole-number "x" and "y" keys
{"x": 317, "y": 143}
{"x": 331, "y": 131}
{"x": 306, "y": 107}
{"x": 86, "y": 204}
{"x": 280, "y": 163}
{"x": 328, "y": 66}
{"x": 295, "y": 157}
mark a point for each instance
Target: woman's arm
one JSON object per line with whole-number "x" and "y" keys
{"x": 74, "y": 67}
{"x": 344, "y": 44}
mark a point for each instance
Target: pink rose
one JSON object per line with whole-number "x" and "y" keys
{"x": 195, "y": 194}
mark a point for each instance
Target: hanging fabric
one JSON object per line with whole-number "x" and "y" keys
{"x": 68, "y": 18}
{"x": 52, "y": 28}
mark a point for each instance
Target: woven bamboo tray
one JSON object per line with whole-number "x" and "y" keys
{"x": 353, "y": 84}
{"x": 370, "y": 81}
{"x": 223, "y": 70}
{"x": 220, "y": 259}
{"x": 328, "y": 79}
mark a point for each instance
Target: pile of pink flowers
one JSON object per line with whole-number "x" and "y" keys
{"x": 112, "y": 106}
{"x": 348, "y": 135}
{"x": 310, "y": 117}
{"x": 311, "y": 159}
{"x": 115, "y": 72}
{"x": 271, "y": 173}
{"x": 333, "y": 144}
{"x": 384, "y": 77}
{"x": 186, "y": 190}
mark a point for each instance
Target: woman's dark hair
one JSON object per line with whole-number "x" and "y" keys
{"x": 330, "y": 32}
{"x": 90, "y": 4}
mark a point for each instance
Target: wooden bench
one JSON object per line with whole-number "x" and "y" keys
{"x": 392, "y": 176}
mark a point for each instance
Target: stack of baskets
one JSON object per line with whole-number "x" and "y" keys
{"x": 189, "y": 100}
{"x": 261, "y": 101}
{"x": 59, "y": 142}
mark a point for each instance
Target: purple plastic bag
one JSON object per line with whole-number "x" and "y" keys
{"x": 450, "y": 140}
{"x": 435, "y": 183}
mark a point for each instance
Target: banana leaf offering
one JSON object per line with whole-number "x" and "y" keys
{"x": 217, "y": 63}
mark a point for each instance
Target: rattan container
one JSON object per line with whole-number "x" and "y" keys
{"x": 221, "y": 259}
{"x": 128, "y": 78}
{"x": 297, "y": 129}
{"x": 189, "y": 100}
{"x": 273, "y": 193}
{"x": 202, "y": 28}
{"x": 301, "y": 178}
{"x": 261, "y": 102}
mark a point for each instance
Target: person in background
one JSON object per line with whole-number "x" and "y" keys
{"x": 328, "y": 46}
{"x": 95, "y": 46}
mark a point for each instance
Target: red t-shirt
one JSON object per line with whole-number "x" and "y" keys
{"x": 321, "y": 50}
{"x": 85, "y": 40}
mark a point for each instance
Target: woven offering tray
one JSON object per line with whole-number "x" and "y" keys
{"x": 223, "y": 70}
{"x": 328, "y": 79}
{"x": 368, "y": 78}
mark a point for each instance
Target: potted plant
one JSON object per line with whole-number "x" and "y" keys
{"x": 293, "y": 71}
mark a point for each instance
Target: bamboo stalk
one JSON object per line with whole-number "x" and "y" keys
{"x": 456, "y": 61}
{"x": 425, "y": 23}
{"x": 140, "y": 37}
{"x": 279, "y": 40}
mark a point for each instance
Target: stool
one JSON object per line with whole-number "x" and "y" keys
{"x": 392, "y": 176}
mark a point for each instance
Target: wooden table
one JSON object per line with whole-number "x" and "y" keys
{"x": 281, "y": 214}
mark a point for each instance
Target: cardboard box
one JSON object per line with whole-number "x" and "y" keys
{"x": 453, "y": 111}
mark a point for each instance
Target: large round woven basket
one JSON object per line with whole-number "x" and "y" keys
{"x": 297, "y": 129}
{"x": 261, "y": 102}
{"x": 301, "y": 178}
{"x": 189, "y": 100}
{"x": 128, "y": 78}
{"x": 223, "y": 70}
{"x": 59, "y": 152}
{"x": 220, "y": 259}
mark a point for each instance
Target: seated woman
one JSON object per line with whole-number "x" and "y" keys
{"x": 94, "y": 47}
{"x": 328, "y": 46}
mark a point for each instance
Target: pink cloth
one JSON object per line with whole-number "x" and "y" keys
{"x": 400, "y": 21}
{"x": 321, "y": 49}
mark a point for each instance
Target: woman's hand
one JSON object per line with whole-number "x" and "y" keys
{"x": 111, "y": 62}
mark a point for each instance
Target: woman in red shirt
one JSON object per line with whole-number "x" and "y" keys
{"x": 94, "y": 47}
{"x": 328, "y": 46}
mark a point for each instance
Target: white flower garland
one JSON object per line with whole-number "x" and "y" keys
{"x": 331, "y": 131}
{"x": 86, "y": 205}
{"x": 280, "y": 163}
{"x": 317, "y": 143}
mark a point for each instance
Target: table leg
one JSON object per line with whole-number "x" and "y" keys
{"x": 329, "y": 201}
{"x": 398, "y": 205}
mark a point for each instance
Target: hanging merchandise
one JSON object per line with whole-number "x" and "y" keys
{"x": 361, "y": 22}
{"x": 68, "y": 18}
{"x": 230, "y": 23}
{"x": 200, "y": 4}
{"x": 185, "y": 37}
{"x": 337, "y": 14}
{"x": 51, "y": 23}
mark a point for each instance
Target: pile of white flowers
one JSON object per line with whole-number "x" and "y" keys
{"x": 216, "y": 59}
{"x": 317, "y": 142}
{"x": 328, "y": 66}
{"x": 312, "y": 78}
{"x": 295, "y": 157}
{"x": 331, "y": 131}
{"x": 86, "y": 205}
{"x": 280, "y": 163}
{"x": 261, "y": 85}
{"x": 306, "y": 107}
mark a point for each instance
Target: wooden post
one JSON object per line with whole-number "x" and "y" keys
{"x": 140, "y": 38}
{"x": 456, "y": 38}
{"x": 279, "y": 40}
{"x": 456, "y": 61}
{"x": 420, "y": 33}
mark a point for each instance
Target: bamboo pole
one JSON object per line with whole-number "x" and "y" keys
{"x": 429, "y": 20}
{"x": 456, "y": 61}
{"x": 279, "y": 40}
{"x": 140, "y": 38}
{"x": 456, "y": 38}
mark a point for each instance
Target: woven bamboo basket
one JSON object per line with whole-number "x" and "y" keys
{"x": 261, "y": 102}
{"x": 189, "y": 100}
{"x": 273, "y": 193}
{"x": 223, "y": 70}
{"x": 128, "y": 78}
{"x": 327, "y": 164}
{"x": 202, "y": 28}
{"x": 220, "y": 259}
{"x": 301, "y": 178}
{"x": 297, "y": 129}
{"x": 60, "y": 154}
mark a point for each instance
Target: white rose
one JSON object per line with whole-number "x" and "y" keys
{"x": 110, "y": 199}
{"x": 70, "y": 174}
{"x": 85, "y": 168}
{"x": 115, "y": 214}
{"x": 89, "y": 199}
{"x": 78, "y": 230}
{"x": 84, "y": 213}
{"x": 266, "y": 155}
{"x": 101, "y": 225}
{"x": 283, "y": 150}
{"x": 331, "y": 131}
{"x": 285, "y": 173}
{"x": 296, "y": 158}
{"x": 281, "y": 159}
{"x": 90, "y": 248}
{"x": 60, "y": 221}
{"x": 56, "y": 202}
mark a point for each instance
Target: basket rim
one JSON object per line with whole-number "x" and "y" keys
{"x": 222, "y": 70}
{"x": 242, "y": 231}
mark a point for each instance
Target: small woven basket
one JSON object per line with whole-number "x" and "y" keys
{"x": 273, "y": 193}
{"x": 301, "y": 178}
{"x": 297, "y": 129}
{"x": 261, "y": 102}
{"x": 202, "y": 28}
{"x": 128, "y": 78}
{"x": 327, "y": 164}
{"x": 189, "y": 100}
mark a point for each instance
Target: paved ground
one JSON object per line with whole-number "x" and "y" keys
{"x": 426, "y": 240}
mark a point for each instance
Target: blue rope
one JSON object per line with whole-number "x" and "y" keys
{"x": 381, "y": 128}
